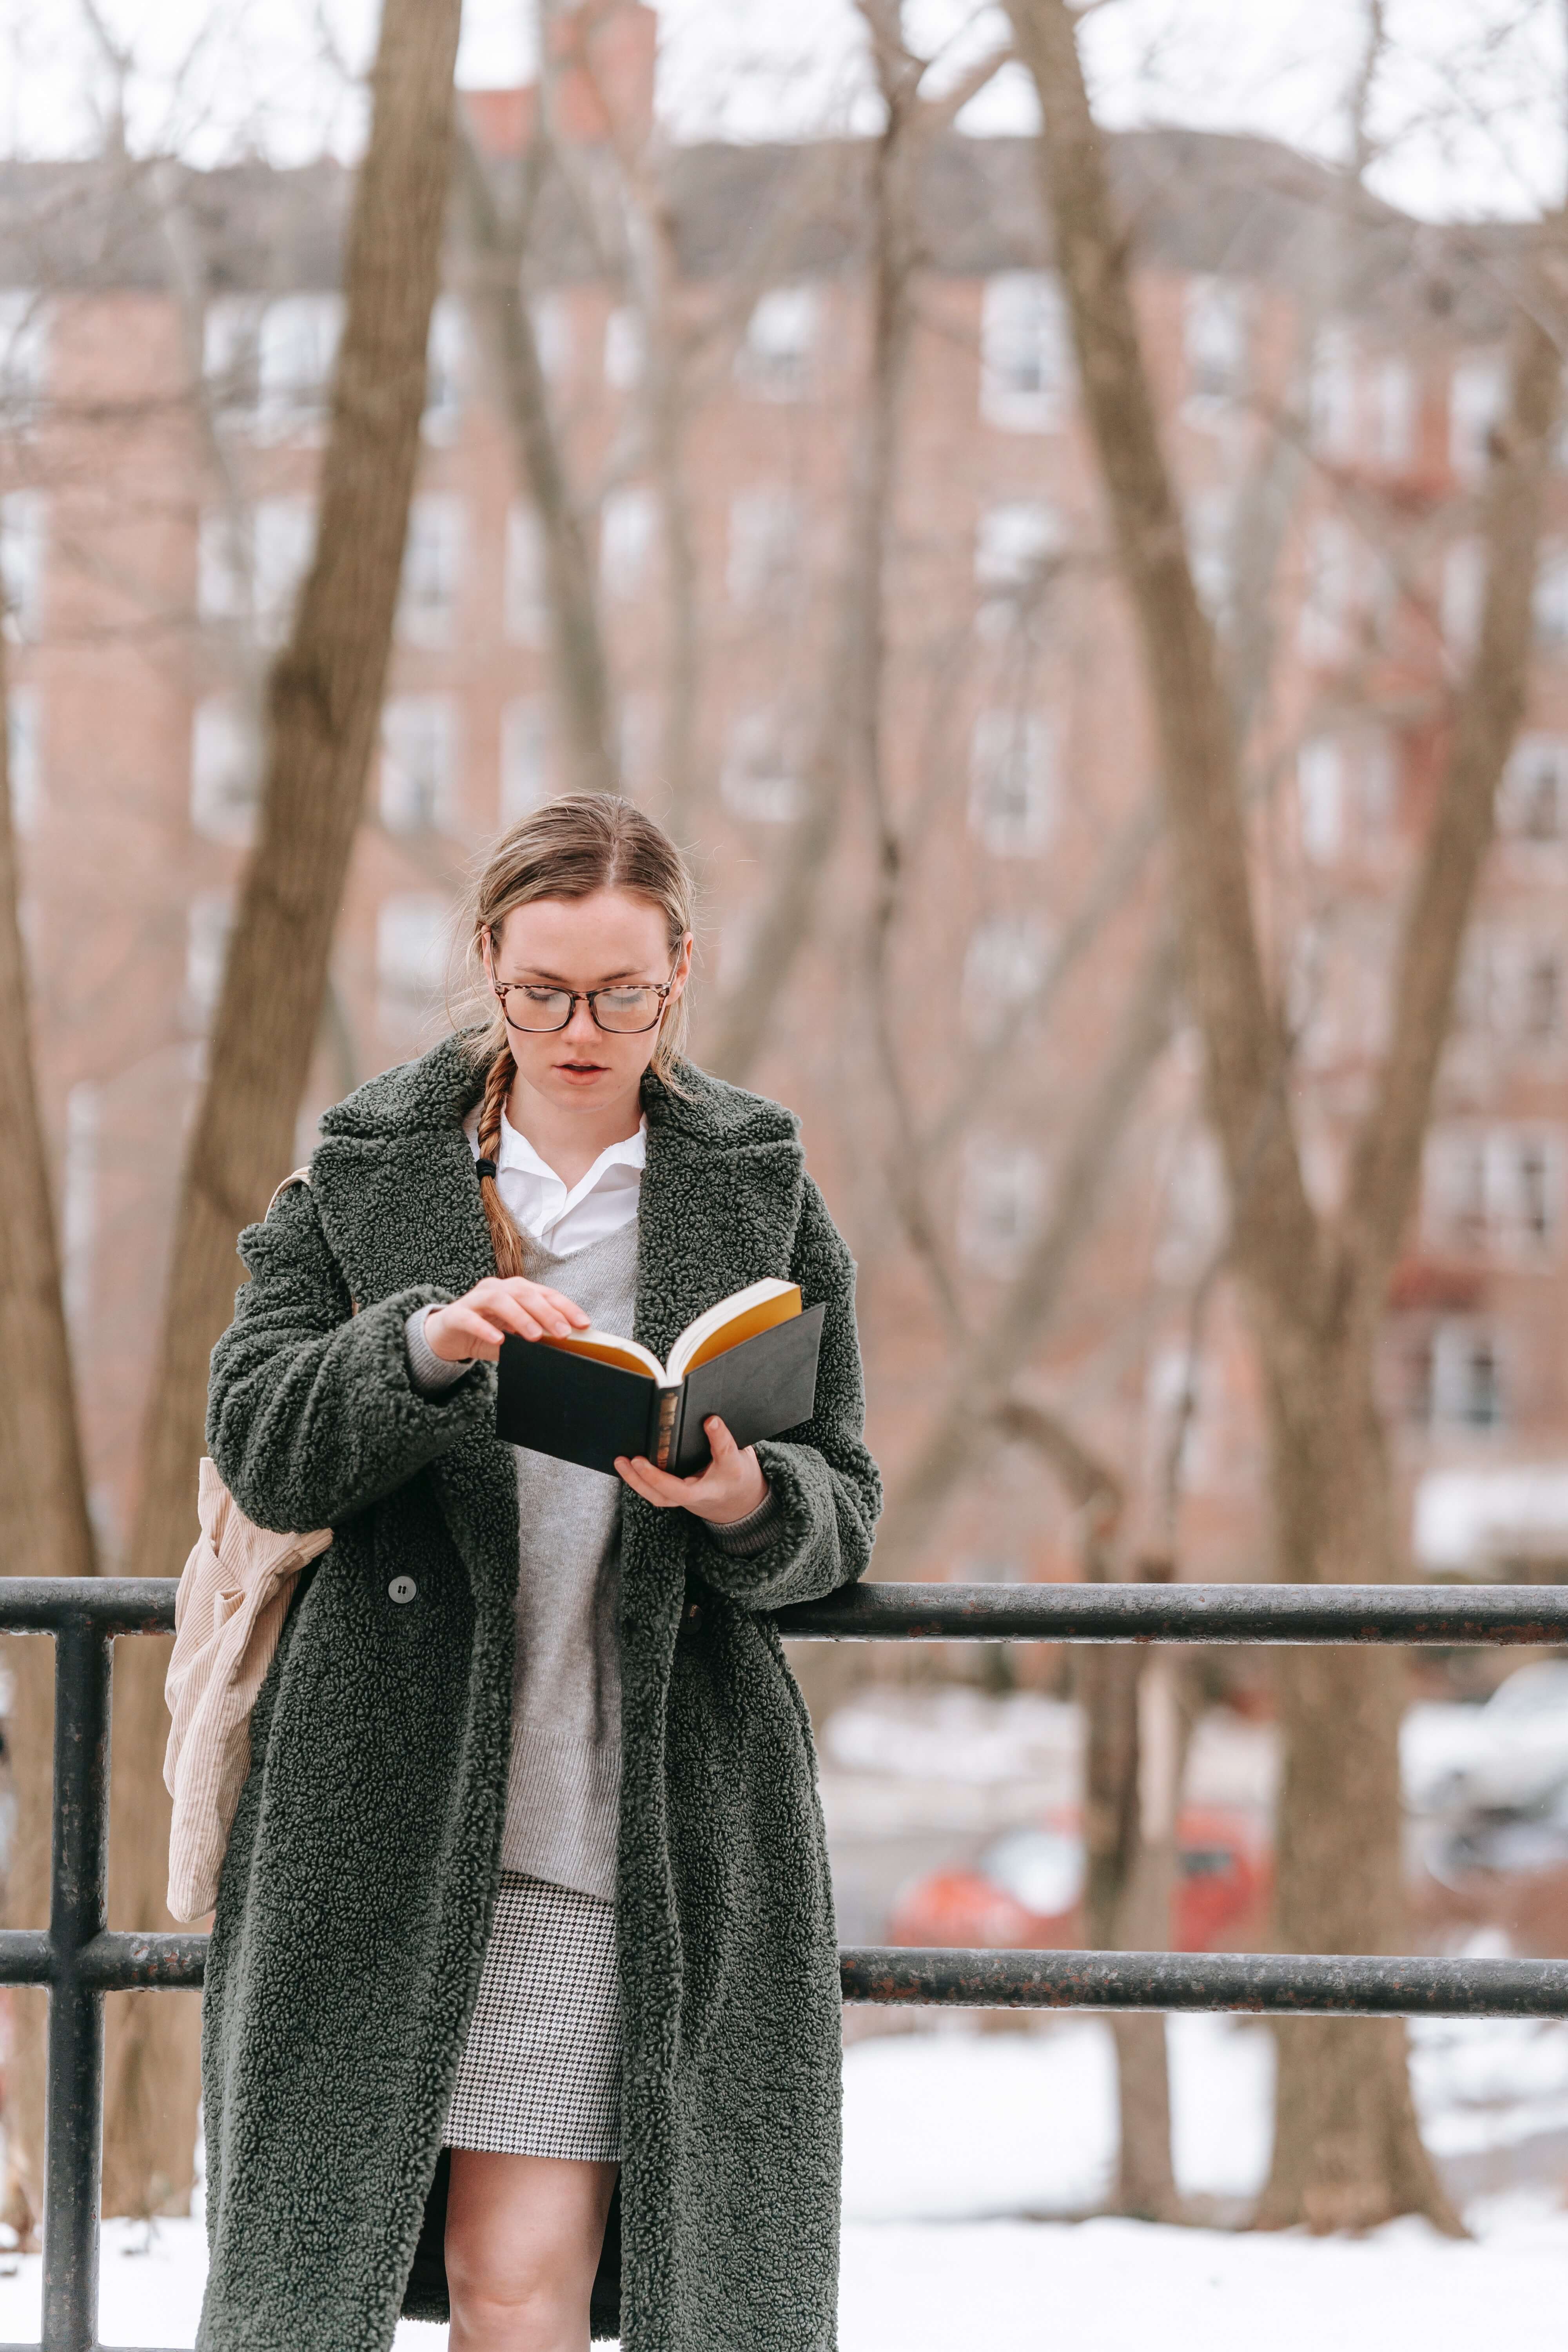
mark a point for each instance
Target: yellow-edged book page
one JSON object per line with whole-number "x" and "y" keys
{"x": 740, "y": 1317}
{"x": 625, "y": 1355}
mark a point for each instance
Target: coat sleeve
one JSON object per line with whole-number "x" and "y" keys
{"x": 827, "y": 1487}
{"x": 312, "y": 1413}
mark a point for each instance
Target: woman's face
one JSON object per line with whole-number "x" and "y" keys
{"x": 611, "y": 940}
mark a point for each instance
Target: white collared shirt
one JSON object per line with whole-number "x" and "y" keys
{"x": 563, "y": 1220}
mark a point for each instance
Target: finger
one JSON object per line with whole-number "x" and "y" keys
{"x": 568, "y": 1307}
{"x": 510, "y": 1314}
{"x": 635, "y": 1474}
{"x": 657, "y": 1486}
{"x": 721, "y": 1444}
{"x": 466, "y": 1335}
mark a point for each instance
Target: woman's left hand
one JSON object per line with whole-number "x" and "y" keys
{"x": 731, "y": 1487}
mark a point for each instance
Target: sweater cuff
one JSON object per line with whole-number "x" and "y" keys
{"x": 742, "y": 1538}
{"x": 430, "y": 1374}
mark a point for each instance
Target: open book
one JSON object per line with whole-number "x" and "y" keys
{"x": 752, "y": 1360}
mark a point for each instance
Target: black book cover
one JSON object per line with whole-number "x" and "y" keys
{"x": 580, "y": 1409}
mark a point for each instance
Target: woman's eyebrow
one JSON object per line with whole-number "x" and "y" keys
{"x": 553, "y": 979}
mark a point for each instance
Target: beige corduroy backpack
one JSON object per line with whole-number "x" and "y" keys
{"x": 235, "y": 1590}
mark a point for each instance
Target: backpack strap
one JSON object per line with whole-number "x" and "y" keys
{"x": 297, "y": 1176}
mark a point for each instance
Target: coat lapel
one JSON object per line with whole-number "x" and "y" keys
{"x": 721, "y": 1203}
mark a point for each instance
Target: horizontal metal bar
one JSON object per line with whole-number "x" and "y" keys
{"x": 1453, "y": 1616}
{"x": 108, "y": 1962}
{"x": 112, "y": 1604}
{"x": 1275, "y": 1984}
{"x": 1281, "y": 1983}
{"x": 1445, "y": 1615}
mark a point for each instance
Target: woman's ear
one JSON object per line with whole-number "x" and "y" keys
{"x": 682, "y": 971}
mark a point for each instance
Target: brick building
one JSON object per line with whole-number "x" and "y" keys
{"x": 1327, "y": 373}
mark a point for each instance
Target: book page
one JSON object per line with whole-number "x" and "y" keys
{"x": 606, "y": 1348}
{"x": 739, "y": 1317}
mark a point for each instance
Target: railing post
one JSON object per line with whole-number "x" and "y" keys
{"x": 73, "y": 2140}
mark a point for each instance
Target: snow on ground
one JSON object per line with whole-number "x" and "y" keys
{"x": 947, "y": 2132}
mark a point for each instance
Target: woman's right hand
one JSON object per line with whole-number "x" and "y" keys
{"x": 476, "y": 1324}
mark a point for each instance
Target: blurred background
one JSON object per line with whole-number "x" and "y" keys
{"x": 755, "y": 478}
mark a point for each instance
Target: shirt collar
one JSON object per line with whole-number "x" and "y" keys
{"x": 516, "y": 1151}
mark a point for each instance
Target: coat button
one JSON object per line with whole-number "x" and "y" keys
{"x": 402, "y": 1588}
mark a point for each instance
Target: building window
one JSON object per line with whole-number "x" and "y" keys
{"x": 1541, "y": 996}
{"x": 209, "y": 920}
{"x": 24, "y": 756}
{"x": 231, "y": 356}
{"x": 419, "y": 763}
{"x": 626, "y": 349}
{"x": 412, "y": 943}
{"x": 1026, "y": 352}
{"x": 524, "y": 756}
{"x": 1532, "y": 806}
{"x": 1327, "y": 609}
{"x": 1320, "y": 790}
{"x": 527, "y": 608}
{"x": 1494, "y": 1191}
{"x": 1464, "y": 586}
{"x": 296, "y": 349}
{"x": 22, "y": 548}
{"x": 1014, "y": 544}
{"x": 1004, "y": 967}
{"x": 1208, "y": 527}
{"x": 627, "y": 521}
{"x": 446, "y": 372}
{"x": 1550, "y": 598}
{"x": 1476, "y": 393}
{"x": 432, "y": 571}
{"x": 23, "y": 355}
{"x": 285, "y": 541}
{"x": 1456, "y": 1378}
{"x": 552, "y": 335}
{"x": 1511, "y": 988}
{"x": 1001, "y": 1191}
{"x": 765, "y": 546}
{"x": 1332, "y": 394}
{"x": 776, "y": 360}
{"x": 761, "y": 781}
{"x": 225, "y": 761}
{"x": 1010, "y": 782}
{"x": 1215, "y": 339}
{"x": 1394, "y": 414}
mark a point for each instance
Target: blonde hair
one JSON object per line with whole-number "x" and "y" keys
{"x": 569, "y": 848}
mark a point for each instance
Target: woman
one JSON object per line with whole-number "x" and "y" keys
{"x": 525, "y": 1927}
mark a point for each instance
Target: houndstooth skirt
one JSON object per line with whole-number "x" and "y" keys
{"x": 541, "y": 2074}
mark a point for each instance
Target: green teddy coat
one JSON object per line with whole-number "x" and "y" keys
{"x": 360, "y": 1878}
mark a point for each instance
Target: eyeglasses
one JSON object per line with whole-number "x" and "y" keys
{"x": 620, "y": 1012}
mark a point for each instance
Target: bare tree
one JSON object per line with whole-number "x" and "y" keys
{"x": 1347, "y": 2149}
{"x": 323, "y": 701}
{"x": 44, "y": 1528}
{"x": 494, "y": 252}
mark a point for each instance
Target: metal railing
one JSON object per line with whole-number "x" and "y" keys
{"x": 79, "y": 1959}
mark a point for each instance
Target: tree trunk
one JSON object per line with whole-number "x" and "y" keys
{"x": 495, "y": 250}
{"x": 1347, "y": 2144}
{"x": 323, "y": 702}
{"x": 1347, "y": 2151}
{"x": 1127, "y": 1906}
{"x": 44, "y": 1529}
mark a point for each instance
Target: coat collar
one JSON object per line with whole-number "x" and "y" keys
{"x": 721, "y": 1197}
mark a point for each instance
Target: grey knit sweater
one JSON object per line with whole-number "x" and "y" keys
{"x": 564, "y": 1785}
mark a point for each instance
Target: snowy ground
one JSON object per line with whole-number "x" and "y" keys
{"x": 951, "y": 2135}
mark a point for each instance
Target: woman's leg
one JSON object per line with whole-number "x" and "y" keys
{"x": 523, "y": 2235}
